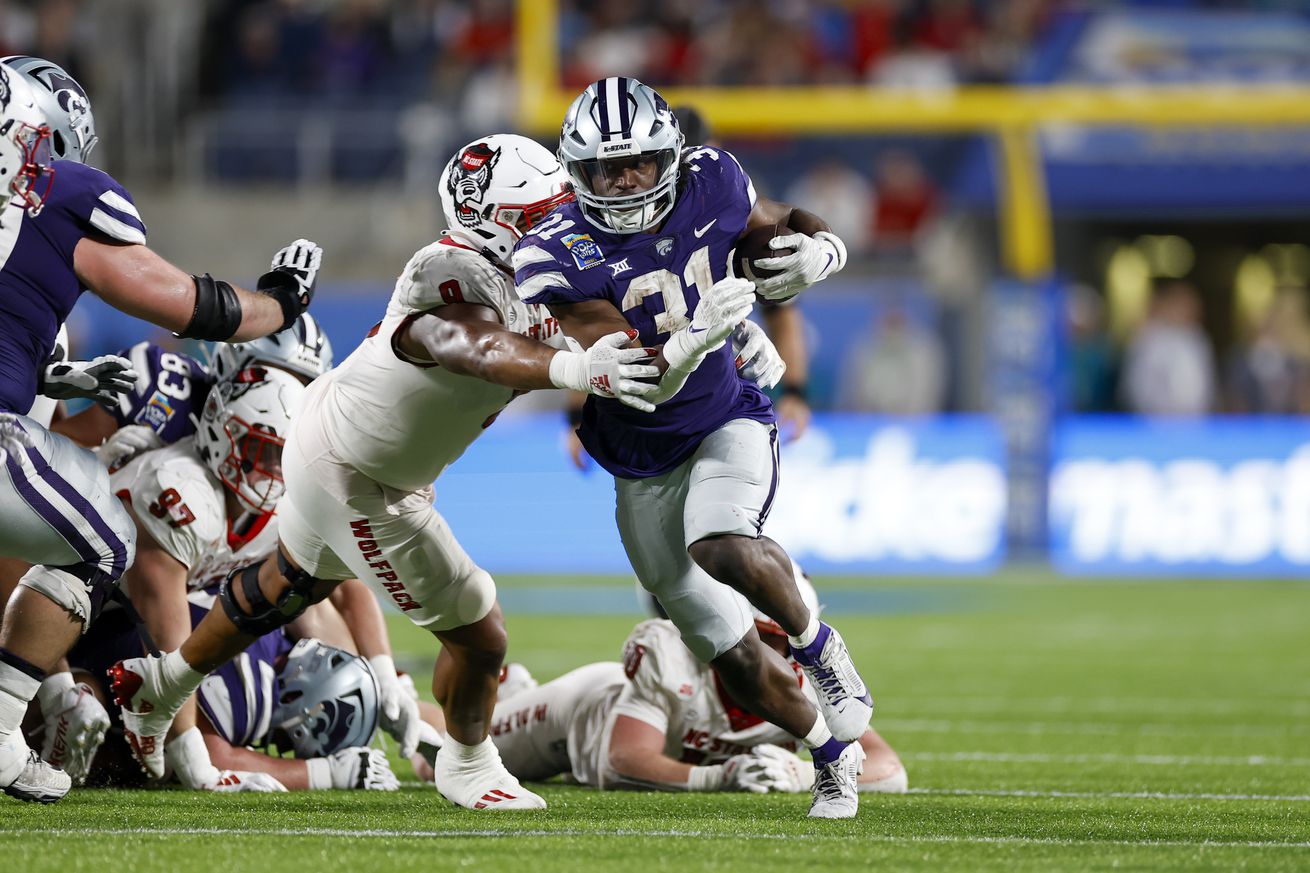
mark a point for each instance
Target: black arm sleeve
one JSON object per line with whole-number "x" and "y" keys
{"x": 217, "y": 313}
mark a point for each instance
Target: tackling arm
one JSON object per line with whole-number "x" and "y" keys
{"x": 468, "y": 339}
{"x": 786, "y": 329}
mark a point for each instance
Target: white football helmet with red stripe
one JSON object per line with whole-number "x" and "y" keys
{"x": 242, "y": 430}
{"x": 497, "y": 187}
{"x": 25, "y": 172}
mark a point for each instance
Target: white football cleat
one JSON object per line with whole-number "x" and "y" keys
{"x": 147, "y": 709}
{"x": 74, "y": 732}
{"x": 481, "y": 782}
{"x": 844, "y": 699}
{"x": 25, "y": 776}
{"x": 835, "y": 791}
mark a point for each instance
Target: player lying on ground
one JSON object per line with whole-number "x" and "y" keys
{"x": 300, "y": 688}
{"x": 643, "y": 247}
{"x": 455, "y": 346}
{"x": 81, "y": 232}
{"x": 662, "y": 719}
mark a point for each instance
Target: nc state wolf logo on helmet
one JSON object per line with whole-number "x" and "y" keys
{"x": 470, "y": 176}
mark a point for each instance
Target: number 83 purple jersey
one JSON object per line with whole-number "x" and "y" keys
{"x": 655, "y": 280}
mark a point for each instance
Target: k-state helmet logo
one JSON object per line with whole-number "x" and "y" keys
{"x": 78, "y": 112}
{"x": 470, "y": 176}
{"x": 4, "y": 89}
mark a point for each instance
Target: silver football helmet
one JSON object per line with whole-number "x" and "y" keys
{"x": 242, "y": 430}
{"x": 303, "y": 348}
{"x": 25, "y": 173}
{"x": 65, "y": 104}
{"x": 615, "y": 125}
{"x": 328, "y": 700}
{"x": 497, "y": 187}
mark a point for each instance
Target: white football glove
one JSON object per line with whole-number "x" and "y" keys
{"x": 815, "y": 258}
{"x": 607, "y": 369}
{"x": 399, "y": 703}
{"x": 126, "y": 443}
{"x": 758, "y": 774}
{"x": 238, "y": 781}
{"x": 357, "y": 767}
{"x": 725, "y": 305}
{"x": 797, "y": 774}
{"x": 101, "y": 379}
{"x": 188, "y": 755}
{"x": 301, "y": 261}
{"x": 758, "y": 360}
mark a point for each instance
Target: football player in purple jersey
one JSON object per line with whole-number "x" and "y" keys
{"x": 647, "y": 245}
{"x": 66, "y": 228}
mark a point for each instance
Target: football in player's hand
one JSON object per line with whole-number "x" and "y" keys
{"x": 753, "y": 246}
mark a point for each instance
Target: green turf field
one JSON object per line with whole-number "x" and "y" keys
{"x": 1046, "y": 725}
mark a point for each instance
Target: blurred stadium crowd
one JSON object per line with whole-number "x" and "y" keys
{"x": 367, "y": 92}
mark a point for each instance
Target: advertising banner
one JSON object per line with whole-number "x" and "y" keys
{"x": 1218, "y": 497}
{"x": 858, "y": 494}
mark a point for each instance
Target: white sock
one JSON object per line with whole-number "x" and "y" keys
{"x": 807, "y": 636}
{"x": 178, "y": 675}
{"x": 818, "y": 735}
{"x": 53, "y": 688}
{"x": 466, "y": 754}
{"x": 16, "y": 691}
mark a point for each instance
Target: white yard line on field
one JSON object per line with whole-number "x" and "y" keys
{"x": 1073, "y": 705}
{"x": 1108, "y": 795}
{"x": 1149, "y": 760}
{"x": 945, "y": 725}
{"x": 537, "y": 833}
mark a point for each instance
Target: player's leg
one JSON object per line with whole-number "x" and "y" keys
{"x": 56, "y": 510}
{"x": 717, "y": 624}
{"x": 254, "y": 600}
{"x": 732, "y": 479}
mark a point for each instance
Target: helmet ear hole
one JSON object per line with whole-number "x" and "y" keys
{"x": 57, "y": 144}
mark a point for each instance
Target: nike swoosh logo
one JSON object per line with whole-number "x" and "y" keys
{"x": 700, "y": 233}
{"x": 697, "y": 330}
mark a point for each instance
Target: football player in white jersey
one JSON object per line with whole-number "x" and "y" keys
{"x": 456, "y": 345}
{"x": 663, "y": 719}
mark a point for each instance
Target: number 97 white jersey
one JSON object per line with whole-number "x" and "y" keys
{"x": 180, "y": 504}
{"x": 402, "y": 421}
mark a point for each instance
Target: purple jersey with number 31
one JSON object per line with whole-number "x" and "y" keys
{"x": 655, "y": 280}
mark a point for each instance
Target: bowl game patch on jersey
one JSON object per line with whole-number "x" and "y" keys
{"x": 585, "y": 250}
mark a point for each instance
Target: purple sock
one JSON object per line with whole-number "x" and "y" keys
{"x": 810, "y": 653}
{"x": 828, "y": 752}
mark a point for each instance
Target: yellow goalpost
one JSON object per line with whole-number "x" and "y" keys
{"x": 1012, "y": 114}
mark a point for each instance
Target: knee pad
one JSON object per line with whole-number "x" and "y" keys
{"x": 265, "y": 616}
{"x": 81, "y": 590}
{"x": 462, "y": 602}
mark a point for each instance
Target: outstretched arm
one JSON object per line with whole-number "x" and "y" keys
{"x": 137, "y": 281}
